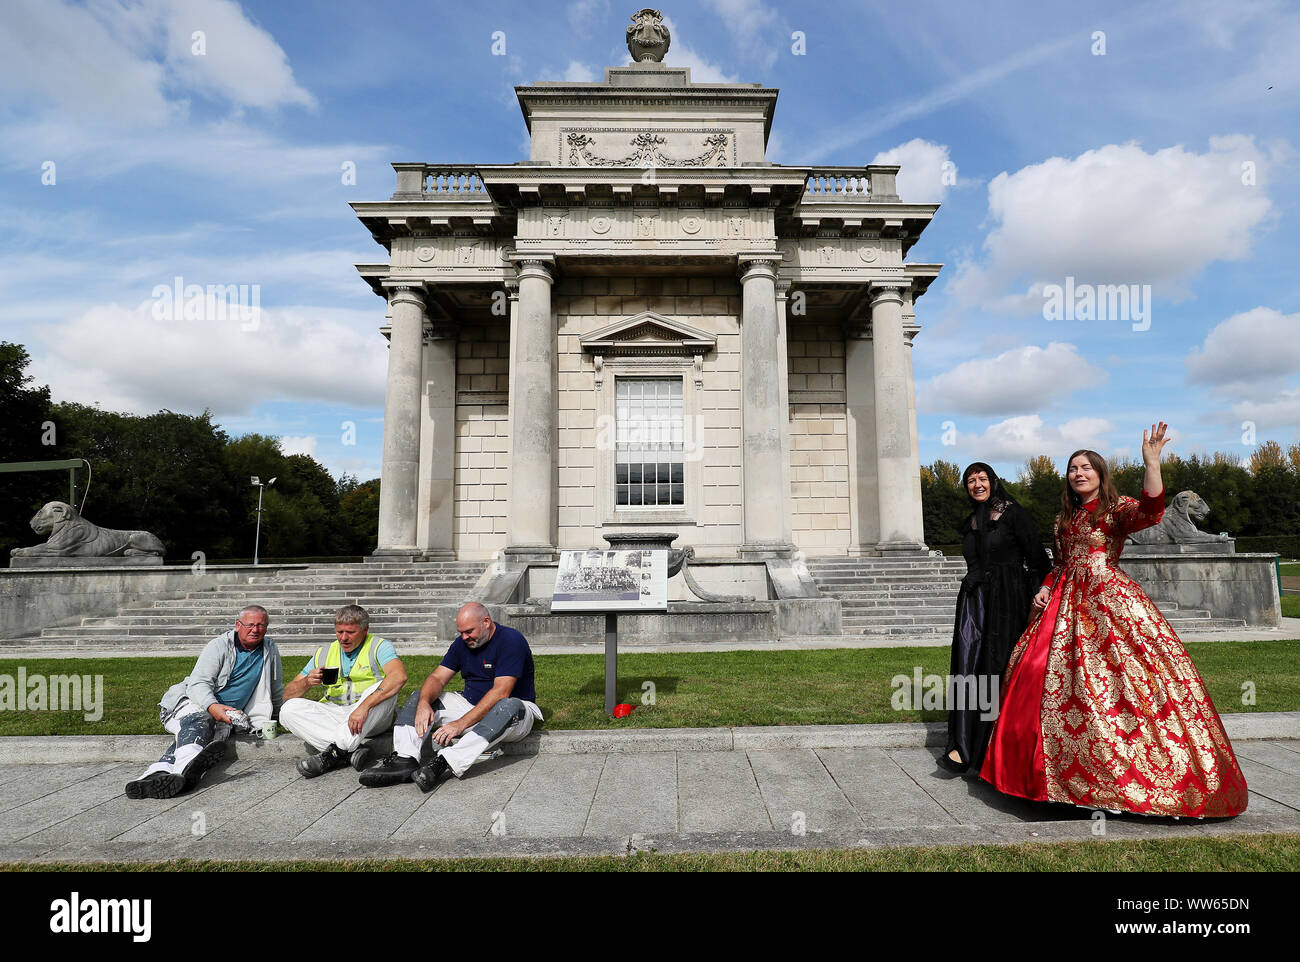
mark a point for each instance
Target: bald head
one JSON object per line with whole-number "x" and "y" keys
{"x": 474, "y": 624}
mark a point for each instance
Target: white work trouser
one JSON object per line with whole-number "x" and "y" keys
{"x": 465, "y": 751}
{"x": 321, "y": 724}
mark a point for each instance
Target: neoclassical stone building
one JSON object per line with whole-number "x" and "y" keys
{"x": 646, "y": 325}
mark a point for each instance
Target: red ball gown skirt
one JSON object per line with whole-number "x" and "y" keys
{"x": 1101, "y": 704}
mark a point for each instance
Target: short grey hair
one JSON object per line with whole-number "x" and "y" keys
{"x": 352, "y": 615}
{"x": 255, "y": 608}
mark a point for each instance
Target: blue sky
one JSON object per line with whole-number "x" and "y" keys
{"x": 1108, "y": 143}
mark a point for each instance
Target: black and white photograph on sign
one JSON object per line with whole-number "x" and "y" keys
{"x": 611, "y": 581}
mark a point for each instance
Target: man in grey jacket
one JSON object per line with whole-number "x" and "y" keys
{"x": 237, "y": 681}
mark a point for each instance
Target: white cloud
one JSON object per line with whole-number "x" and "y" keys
{"x": 241, "y": 62}
{"x": 1259, "y": 344}
{"x": 923, "y": 177}
{"x": 702, "y": 70}
{"x": 1020, "y": 438}
{"x": 300, "y": 445}
{"x": 111, "y": 62}
{"x": 127, "y": 360}
{"x": 752, "y": 25}
{"x": 584, "y": 13}
{"x": 227, "y": 150}
{"x": 578, "y": 72}
{"x": 1023, "y": 379}
{"x": 1278, "y": 413}
{"x": 1118, "y": 215}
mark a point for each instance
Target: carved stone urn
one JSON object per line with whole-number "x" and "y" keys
{"x": 647, "y": 37}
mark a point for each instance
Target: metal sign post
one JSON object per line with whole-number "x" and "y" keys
{"x": 607, "y": 582}
{"x": 611, "y": 661}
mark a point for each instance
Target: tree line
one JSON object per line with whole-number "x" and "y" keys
{"x": 179, "y": 476}
{"x": 1259, "y": 497}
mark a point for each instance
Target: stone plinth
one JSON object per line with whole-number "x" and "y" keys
{"x": 1225, "y": 547}
{"x": 36, "y": 598}
{"x": 1228, "y": 586}
{"x": 30, "y": 561}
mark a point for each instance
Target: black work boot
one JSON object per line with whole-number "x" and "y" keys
{"x": 428, "y": 776}
{"x": 362, "y": 756}
{"x": 155, "y": 785}
{"x": 328, "y": 760}
{"x": 394, "y": 770}
{"x": 198, "y": 767}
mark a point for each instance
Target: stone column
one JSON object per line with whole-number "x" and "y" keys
{"x": 399, "y": 474}
{"x": 897, "y": 464}
{"x": 530, "y": 518}
{"x": 438, "y": 442}
{"x": 860, "y": 413}
{"x": 783, "y": 377}
{"x": 762, "y": 419}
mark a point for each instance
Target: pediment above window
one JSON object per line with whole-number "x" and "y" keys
{"x": 648, "y": 333}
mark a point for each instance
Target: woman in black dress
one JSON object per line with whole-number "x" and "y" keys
{"x": 1005, "y": 564}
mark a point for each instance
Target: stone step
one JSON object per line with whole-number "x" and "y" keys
{"x": 935, "y": 621}
{"x": 279, "y": 587}
{"x": 100, "y": 627}
{"x": 322, "y": 597}
{"x": 185, "y": 620}
{"x": 281, "y": 612}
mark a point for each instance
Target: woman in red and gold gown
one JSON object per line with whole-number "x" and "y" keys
{"x": 1101, "y": 704}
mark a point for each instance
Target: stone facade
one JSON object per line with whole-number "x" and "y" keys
{"x": 647, "y": 274}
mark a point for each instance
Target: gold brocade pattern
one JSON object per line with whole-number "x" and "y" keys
{"x": 1126, "y": 721}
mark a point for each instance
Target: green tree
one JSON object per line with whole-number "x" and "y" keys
{"x": 944, "y": 505}
{"x": 163, "y": 472}
{"x": 1274, "y": 492}
{"x": 359, "y": 509}
{"x": 24, "y": 414}
{"x": 1039, "y": 490}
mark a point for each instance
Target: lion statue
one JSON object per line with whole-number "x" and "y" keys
{"x": 72, "y": 536}
{"x": 1177, "y": 527}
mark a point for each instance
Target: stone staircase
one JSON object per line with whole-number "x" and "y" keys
{"x": 915, "y": 599}
{"x": 883, "y": 599}
{"x": 403, "y": 599}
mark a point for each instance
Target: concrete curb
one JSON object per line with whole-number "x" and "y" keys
{"x": 81, "y": 749}
{"x": 1071, "y": 826}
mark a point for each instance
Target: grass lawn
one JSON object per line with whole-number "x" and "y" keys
{"x": 691, "y": 690}
{"x": 1291, "y": 571}
{"x": 1231, "y": 853}
{"x": 1291, "y": 606}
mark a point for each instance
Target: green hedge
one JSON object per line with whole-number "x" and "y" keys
{"x": 1286, "y": 545}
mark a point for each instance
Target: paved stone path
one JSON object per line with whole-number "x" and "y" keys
{"x": 583, "y": 793}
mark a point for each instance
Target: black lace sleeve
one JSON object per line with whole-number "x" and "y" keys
{"x": 1031, "y": 546}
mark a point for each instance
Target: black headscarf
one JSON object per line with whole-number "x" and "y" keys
{"x": 999, "y": 500}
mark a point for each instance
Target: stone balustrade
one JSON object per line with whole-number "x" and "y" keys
{"x": 876, "y": 182}
{"x": 840, "y": 183}
{"x": 435, "y": 182}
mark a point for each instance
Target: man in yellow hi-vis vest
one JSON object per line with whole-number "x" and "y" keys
{"x": 359, "y": 704}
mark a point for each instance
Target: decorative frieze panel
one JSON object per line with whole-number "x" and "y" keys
{"x": 868, "y": 254}
{"x": 658, "y": 147}
{"x": 452, "y": 251}
{"x": 688, "y": 225}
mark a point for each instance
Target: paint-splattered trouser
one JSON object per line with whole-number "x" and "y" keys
{"x": 509, "y": 720}
{"x": 321, "y": 724}
{"x": 194, "y": 729}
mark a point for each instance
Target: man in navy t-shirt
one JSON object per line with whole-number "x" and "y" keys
{"x": 498, "y": 705}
